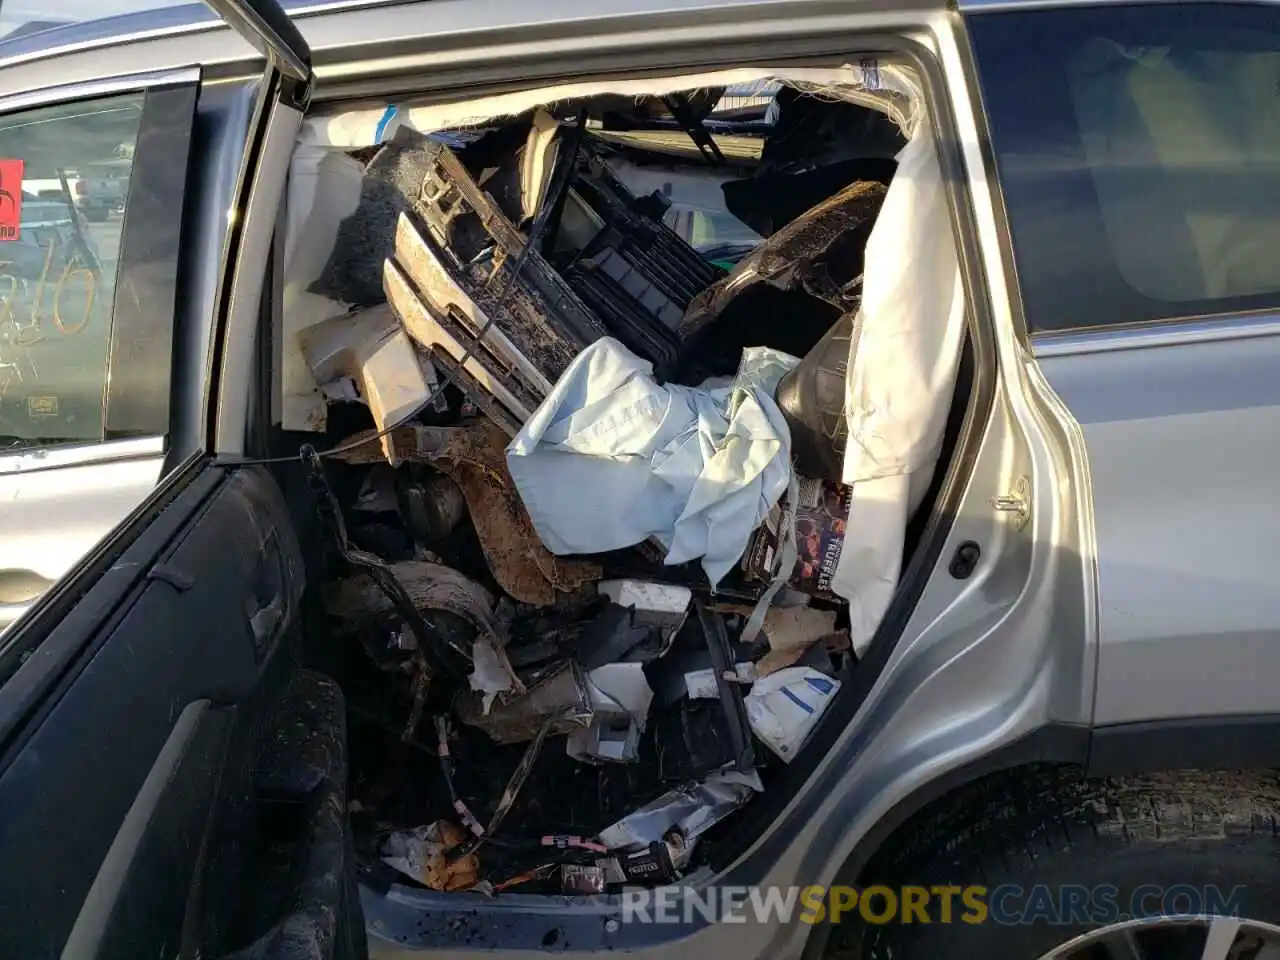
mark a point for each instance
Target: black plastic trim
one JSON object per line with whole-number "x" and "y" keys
{"x": 1186, "y": 743}
{"x": 142, "y": 321}
{"x": 270, "y": 94}
{"x": 219, "y": 134}
{"x": 1000, "y": 212}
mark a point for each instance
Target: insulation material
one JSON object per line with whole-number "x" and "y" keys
{"x": 325, "y": 184}
{"x": 324, "y": 189}
{"x": 903, "y": 358}
{"x": 886, "y": 87}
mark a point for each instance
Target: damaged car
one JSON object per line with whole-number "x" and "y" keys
{"x": 602, "y": 475}
{"x": 590, "y": 535}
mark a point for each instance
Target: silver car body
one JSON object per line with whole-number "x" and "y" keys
{"x": 1124, "y": 521}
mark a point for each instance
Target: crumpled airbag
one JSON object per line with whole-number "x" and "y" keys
{"x": 612, "y": 458}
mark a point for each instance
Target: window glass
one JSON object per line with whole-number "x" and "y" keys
{"x": 64, "y": 188}
{"x": 1138, "y": 149}
{"x": 697, "y": 209}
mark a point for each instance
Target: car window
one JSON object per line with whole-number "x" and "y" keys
{"x": 88, "y": 266}
{"x": 697, "y": 209}
{"x": 1138, "y": 151}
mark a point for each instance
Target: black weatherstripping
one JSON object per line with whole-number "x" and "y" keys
{"x": 218, "y": 136}
{"x": 277, "y": 92}
{"x": 271, "y": 31}
{"x": 1187, "y": 743}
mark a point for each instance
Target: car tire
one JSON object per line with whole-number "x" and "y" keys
{"x": 1191, "y": 831}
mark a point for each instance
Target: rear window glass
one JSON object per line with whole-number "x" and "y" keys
{"x": 64, "y": 183}
{"x": 1138, "y": 149}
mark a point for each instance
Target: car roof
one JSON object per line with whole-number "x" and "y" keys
{"x": 70, "y": 28}
{"x": 343, "y": 33}
{"x": 190, "y": 32}
{"x": 42, "y": 38}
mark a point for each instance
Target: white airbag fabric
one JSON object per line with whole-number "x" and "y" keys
{"x": 901, "y": 377}
{"x": 612, "y": 458}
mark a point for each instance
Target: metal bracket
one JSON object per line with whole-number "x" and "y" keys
{"x": 1018, "y": 502}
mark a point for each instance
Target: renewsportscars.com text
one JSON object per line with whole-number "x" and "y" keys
{"x": 1059, "y": 905}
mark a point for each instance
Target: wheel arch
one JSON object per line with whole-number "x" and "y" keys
{"x": 1065, "y": 753}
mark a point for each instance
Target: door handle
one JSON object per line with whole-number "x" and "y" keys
{"x": 266, "y": 602}
{"x": 19, "y": 588}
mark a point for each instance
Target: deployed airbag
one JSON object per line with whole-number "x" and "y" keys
{"x": 612, "y": 458}
{"x": 903, "y": 356}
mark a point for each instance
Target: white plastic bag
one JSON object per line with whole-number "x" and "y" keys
{"x": 784, "y": 707}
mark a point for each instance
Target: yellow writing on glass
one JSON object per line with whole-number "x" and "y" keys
{"x": 29, "y": 330}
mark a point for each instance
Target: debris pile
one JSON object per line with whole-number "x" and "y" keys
{"x": 588, "y": 594}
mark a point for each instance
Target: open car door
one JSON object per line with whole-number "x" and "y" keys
{"x": 172, "y": 784}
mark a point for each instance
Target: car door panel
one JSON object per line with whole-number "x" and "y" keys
{"x": 187, "y": 634}
{"x": 1179, "y": 436}
{"x": 125, "y": 912}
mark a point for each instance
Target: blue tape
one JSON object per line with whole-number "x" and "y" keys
{"x": 821, "y": 684}
{"x": 796, "y": 700}
{"x": 387, "y": 116}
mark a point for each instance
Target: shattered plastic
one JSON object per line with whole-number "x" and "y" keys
{"x": 794, "y": 257}
{"x": 421, "y": 855}
{"x": 620, "y": 698}
{"x": 562, "y": 696}
{"x": 372, "y": 348}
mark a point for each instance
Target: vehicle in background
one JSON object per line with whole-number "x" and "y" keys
{"x": 101, "y": 189}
